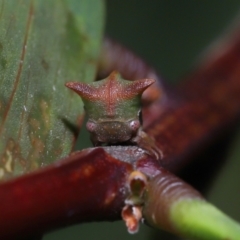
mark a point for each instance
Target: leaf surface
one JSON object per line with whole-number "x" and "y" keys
{"x": 43, "y": 44}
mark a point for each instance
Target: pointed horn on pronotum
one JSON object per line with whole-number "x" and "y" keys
{"x": 137, "y": 87}
{"x": 82, "y": 89}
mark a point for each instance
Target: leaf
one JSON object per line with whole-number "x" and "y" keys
{"x": 43, "y": 44}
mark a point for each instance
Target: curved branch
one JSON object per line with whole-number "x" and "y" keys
{"x": 208, "y": 108}
{"x": 83, "y": 187}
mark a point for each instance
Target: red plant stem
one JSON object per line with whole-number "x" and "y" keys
{"x": 90, "y": 185}
{"x": 210, "y": 106}
{"x": 85, "y": 187}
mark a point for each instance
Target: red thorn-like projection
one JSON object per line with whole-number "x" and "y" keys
{"x": 82, "y": 89}
{"x": 111, "y": 89}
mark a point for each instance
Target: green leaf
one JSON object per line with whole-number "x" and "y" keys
{"x": 43, "y": 44}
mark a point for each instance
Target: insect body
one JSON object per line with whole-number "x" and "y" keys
{"x": 113, "y": 107}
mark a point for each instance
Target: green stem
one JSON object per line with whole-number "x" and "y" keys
{"x": 198, "y": 219}
{"x": 174, "y": 206}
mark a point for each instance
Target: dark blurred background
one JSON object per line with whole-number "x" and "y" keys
{"x": 170, "y": 35}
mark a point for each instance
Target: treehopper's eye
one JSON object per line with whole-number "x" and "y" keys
{"x": 134, "y": 125}
{"x": 91, "y": 126}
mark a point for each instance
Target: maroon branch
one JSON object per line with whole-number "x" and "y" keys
{"x": 87, "y": 186}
